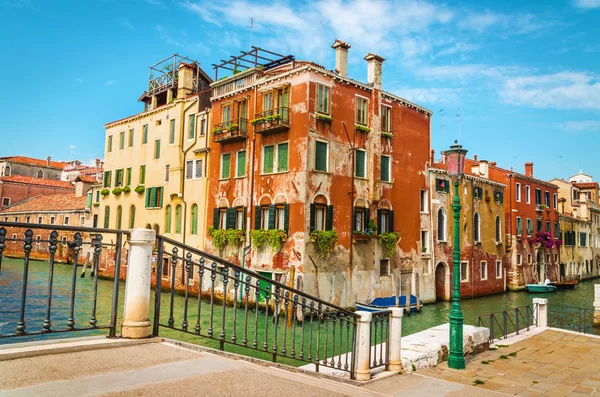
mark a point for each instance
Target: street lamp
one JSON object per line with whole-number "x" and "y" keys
{"x": 455, "y": 158}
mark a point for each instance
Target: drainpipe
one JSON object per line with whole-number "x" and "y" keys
{"x": 473, "y": 249}
{"x": 251, "y": 201}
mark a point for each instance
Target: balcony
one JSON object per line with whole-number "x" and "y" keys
{"x": 231, "y": 131}
{"x": 540, "y": 207}
{"x": 272, "y": 121}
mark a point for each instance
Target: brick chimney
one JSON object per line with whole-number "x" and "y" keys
{"x": 185, "y": 81}
{"x": 475, "y": 158}
{"x": 529, "y": 169}
{"x": 98, "y": 164}
{"x": 374, "y": 69}
{"x": 48, "y": 161}
{"x": 341, "y": 57}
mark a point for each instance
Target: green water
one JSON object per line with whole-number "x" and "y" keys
{"x": 10, "y": 292}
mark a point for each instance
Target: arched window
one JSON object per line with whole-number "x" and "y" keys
{"x": 194, "y": 220}
{"x": 178, "y": 219}
{"x": 119, "y": 216}
{"x": 441, "y": 223}
{"x": 498, "y": 229}
{"x": 7, "y": 170}
{"x": 168, "y": 219}
{"x": 132, "y": 217}
{"x": 476, "y": 228}
{"x": 106, "y": 217}
{"x": 40, "y": 174}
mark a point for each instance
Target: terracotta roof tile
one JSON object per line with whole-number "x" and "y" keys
{"x": 586, "y": 185}
{"x": 29, "y": 180}
{"x": 55, "y": 202}
{"x": 59, "y": 165}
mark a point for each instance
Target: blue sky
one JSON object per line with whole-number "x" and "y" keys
{"x": 526, "y": 75}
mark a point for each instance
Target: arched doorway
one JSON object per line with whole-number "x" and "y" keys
{"x": 440, "y": 281}
{"x": 539, "y": 267}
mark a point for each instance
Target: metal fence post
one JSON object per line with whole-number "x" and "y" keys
{"x": 363, "y": 345}
{"x": 596, "y": 322}
{"x": 136, "y": 321}
{"x": 542, "y": 312}
{"x": 394, "y": 338}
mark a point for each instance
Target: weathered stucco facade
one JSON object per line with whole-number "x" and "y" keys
{"x": 300, "y": 170}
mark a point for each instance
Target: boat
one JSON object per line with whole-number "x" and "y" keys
{"x": 540, "y": 288}
{"x": 387, "y": 302}
{"x": 571, "y": 284}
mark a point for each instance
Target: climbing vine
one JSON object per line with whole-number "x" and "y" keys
{"x": 389, "y": 241}
{"x": 223, "y": 237}
{"x": 325, "y": 240}
{"x": 273, "y": 237}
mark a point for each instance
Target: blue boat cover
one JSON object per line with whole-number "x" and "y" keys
{"x": 390, "y": 301}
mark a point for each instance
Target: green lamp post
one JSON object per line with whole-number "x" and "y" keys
{"x": 455, "y": 158}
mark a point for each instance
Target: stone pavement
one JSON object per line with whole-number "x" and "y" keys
{"x": 163, "y": 369}
{"x": 551, "y": 363}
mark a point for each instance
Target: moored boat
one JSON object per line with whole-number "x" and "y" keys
{"x": 387, "y": 302}
{"x": 571, "y": 284}
{"x": 540, "y": 288}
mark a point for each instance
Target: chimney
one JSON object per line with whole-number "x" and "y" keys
{"x": 341, "y": 57}
{"x": 97, "y": 164}
{"x": 484, "y": 169}
{"x": 432, "y": 156}
{"x": 185, "y": 81}
{"x": 529, "y": 169}
{"x": 493, "y": 163}
{"x": 374, "y": 69}
{"x": 443, "y": 157}
{"x": 475, "y": 158}
{"x": 48, "y": 161}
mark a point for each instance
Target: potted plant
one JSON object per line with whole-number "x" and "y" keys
{"x": 139, "y": 189}
{"x": 325, "y": 240}
{"x": 323, "y": 117}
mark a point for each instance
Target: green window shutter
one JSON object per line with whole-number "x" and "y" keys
{"x": 268, "y": 159}
{"x": 257, "y": 214}
{"x": 241, "y": 164}
{"x": 244, "y": 214}
{"x": 312, "y": 219}
{"x": 192, "y": 126}
{"x": 106, "y": 217}
{"x": 367, "y": 218}
{"x": 178, "y": 220}
{"x": 145, "y": 134}
{"x": 216, "y": 217}
{"x": 321, "y": 156}
{"x": 231, "y": 215}
{"x": 286, "y": 219}
{"x": 353, "y": 218}
{"x": 160, "y": 192}
{"x": 385, "y": 168}
{"x": 128, "y": 176}
{"x": 225, "y": 163}
{"x": 119, "y": 216}
{"x": 359, "y": 165}
{"x": 272, "y": 211}
{"x": 105, "y": 180}
{"x": 194, "y": 220}
{"x": 109, "y": 144}
{"x": 391, "y": 221}
{"x": 157, "y": 149}
{"x": 168, "y": 219}
{"x": 172, "y": 132}
{"x": 142, "y": 174}
{"x": 379, "y": 216}
{"x": 132, "y": 217}
{"x": 329, "y": 218}
{"x": 148, "y": 195}
{"x": 89, "y": 200}
{"x": 282, "y": 157}
{"x": 153, "y": 197}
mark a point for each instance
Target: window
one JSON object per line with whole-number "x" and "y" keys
{"x": 555, "y": 200}
{"x": 483, "y": 270}
{"x": 203, "y": 127}
{"x": 39, "y": 219}
{"x": 132, "y": 217}
{"x": 280, "y": 217}
{"x": 168, "y": 217}
{"x": 441, "y": 224}
{"x": 538, "y": 196}
{"x": 424, "y": 241}
{"x": 167, "y": 170}
{"x": 130, "y": 140}
{"x": 194, "y": 220}
{"x": 464, "y": 272}
{"x": 172, "y": 132}
{"x": 142, "y": 174}
{"x": 386, "y": 165}
{"x": 527, "y": 194}
{"x": 498, "y": 229}
{"x": 268, "y": 101}
{"x": 52, "y": 220}
{"x": 386, "y": 118}
{"x": 128, "y": 176}
{"x": 518, "y": 192}
{"x": 154, "y": 197}
{"x": 189, "y": 169}
{"x": 122, "y": 140}
{"x": 106, "y": 217}
{"x": 275, "y": 158}
{"x": 361, "y": 219}
{"x": 529, "y": 258}
{"x": 424, "y": 201}
{"x": 5, "y": 201}
{"x": 220, "y": 219}
{"x": 119, "y": 216}
{"x": 547, "y": 199}
{"x": 320, "y": 217}
{"x": 158, "y": 122}
{"x": 65, "y": 221}
{"x": 548, "y": 227}
{"x": 498, "y": 269}
{"x": 361, "y": 111}
{"x": 360, "y": 163}
{"x": 442, "y": 185}
{"x": 198, "y": 167}
{"x": 519, "y": 226}
{"x": 529, "y": 225}
{"x": 384, "y": 267}
{"x": 498, "y": 197}
{"x": 144, "y": 134}
{"x": 321, "y": 156}
{"x": 106, "y": 182}
{"x": 38, "y": 239}
{"x": 157, "y": 149}
{"x": 192, "y": 126}
{"x": 385, "y": 221}
{"x": 119, "y": 177}
{"x": 178, "y": 219}
{"x": 322, "y": 99}
{"x": 28, "y": 219}
{"x": 226, "y": 113}
{"x": 538, "y": 225}
{"x": 240, "y": 218}
{"x": 519, "y": 259}
{"x": 240, "y": 164}
{"x": 583, "y": 239}
{"x": 264, "y": 216}
{"x": 478, "y": 192}
{"x": 476, "y": 228}
{"x": 108, "y": 144}
{"x": 557, "y": 230}
{"x": 40, "y": 174}
{"x": 225, "y": 169}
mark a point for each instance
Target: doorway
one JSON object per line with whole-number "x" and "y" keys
{"x": 440, "y": 282}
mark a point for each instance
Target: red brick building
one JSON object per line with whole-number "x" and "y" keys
{"x": 299, "y": 148}
{"x": 16, "y": 188}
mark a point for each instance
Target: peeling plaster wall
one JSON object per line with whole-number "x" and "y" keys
{"x": 577, "y": 262}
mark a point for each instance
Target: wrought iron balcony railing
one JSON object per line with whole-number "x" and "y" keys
{"x": 272, "y": 121}
{"x": 230, "y": 131}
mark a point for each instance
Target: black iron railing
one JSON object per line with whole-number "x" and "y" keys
{"x": 236, "y": 307}
{"x": 504, "y": 323}
{"x": 231, "y": 130}
{"x": 379, "y": 339}
{"x": 577, "y": 319}
{"x": 24, "y": 241}
{"x": 272, "y": 120}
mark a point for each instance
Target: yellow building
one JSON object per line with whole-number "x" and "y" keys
{"x": 155, "y": 162}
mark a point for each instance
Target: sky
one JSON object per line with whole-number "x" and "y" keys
{"x": 524, "y": 76}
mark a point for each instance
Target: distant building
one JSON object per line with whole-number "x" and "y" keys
{"x": 31, "y": 167}
{"x": 16, "y": 188}
{"x": 76, "y": 169}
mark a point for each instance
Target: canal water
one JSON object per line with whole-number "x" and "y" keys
{"x": 11, "y": 287}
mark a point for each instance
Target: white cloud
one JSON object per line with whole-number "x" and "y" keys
{"x": 458, "y": 48}
{"x": 430, "y": 95}
{"x": 466, "y": 71}
{"x": 563, "y": 90}
{"x": 413, "y": 47}
{"x": 78, "y": 80}
{"x": 20, "y": 4}
{"x": 580, "y": 126}
{"x": 126, "y": 24}
{"x": 155, "y": 3}
{"x": 505, "y": 24}
{"x": 480, "y": 22}
{"x": 111, "y": 82}
{"x": 587, "y": 4}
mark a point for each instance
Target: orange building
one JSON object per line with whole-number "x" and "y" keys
{"x": 300, "y": 154}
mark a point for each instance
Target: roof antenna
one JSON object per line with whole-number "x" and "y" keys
{"x": 321, "y": 42}
{"x": 251, "y": 27}
{"x": 443, "y": 125}
{"x": 459, "y": 120}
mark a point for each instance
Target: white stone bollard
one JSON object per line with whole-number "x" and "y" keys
{"x": 395, "y": 338}
{"x": 136, "y": 316}
{"x": 597, "y": 305}
{"x": 363, "y": 345}
{"x": 542, "y": 312}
